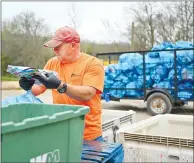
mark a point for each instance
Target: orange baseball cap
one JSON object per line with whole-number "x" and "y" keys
{"x": 63, "y": 35}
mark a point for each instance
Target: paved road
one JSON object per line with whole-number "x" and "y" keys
{"x": 136, "y": 105}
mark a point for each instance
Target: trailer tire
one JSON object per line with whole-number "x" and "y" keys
{"x": 158, "y": 103}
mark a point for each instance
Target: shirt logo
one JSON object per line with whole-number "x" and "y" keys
{"x": 72, "y": 75}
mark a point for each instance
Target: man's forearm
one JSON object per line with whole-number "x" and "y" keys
{"x": 83, "y": 93}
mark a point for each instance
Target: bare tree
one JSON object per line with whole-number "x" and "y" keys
{"x": 139, "y": 40}
{"x": 175, "y": 22}
{"x": 157, "y": 22}
{"x": 184, "y": 13}
{"x": 166, "y": 27}
{"x": 144, "y": 18}
{"x": 110, "y": 28}
{"x": 75, "y": 20}
{"x": 23, "y": 39}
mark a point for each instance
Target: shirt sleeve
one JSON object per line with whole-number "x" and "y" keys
{"x": 94, "y": 76}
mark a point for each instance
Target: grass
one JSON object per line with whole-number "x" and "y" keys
{"x": 8, "y": 78}
{"x": 8, "y": 89}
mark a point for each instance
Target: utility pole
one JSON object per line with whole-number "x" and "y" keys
{"x": 132, "y": 36}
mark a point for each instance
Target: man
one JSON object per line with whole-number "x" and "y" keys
{"x": 80, "y": 79}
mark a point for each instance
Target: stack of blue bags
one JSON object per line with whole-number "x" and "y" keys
{"x": 128, "y": 73}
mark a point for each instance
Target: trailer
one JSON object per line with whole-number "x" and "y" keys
{"x": 159, "y": 100}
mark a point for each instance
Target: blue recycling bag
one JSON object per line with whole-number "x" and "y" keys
{"x": 164, "y": 45}
{"x": 112, "y": 71}
{"x": 118, "y": 93}
{"x": 159, "y": 68}
{"x": 183, "y": 44}
{"x": 28, "y": 97}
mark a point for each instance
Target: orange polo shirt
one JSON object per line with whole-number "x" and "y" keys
{"x": 87, "y": 71}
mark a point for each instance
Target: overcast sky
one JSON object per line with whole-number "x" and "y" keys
{"x": 90, "y": 16}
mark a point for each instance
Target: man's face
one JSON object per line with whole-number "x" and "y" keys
{"x": 65, "y": 52}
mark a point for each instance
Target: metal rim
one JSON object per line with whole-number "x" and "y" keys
{"x": 158, "y": 105}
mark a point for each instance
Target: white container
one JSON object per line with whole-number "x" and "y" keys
{"x": 112, "y": 120}
{"x": 162, "y": 138}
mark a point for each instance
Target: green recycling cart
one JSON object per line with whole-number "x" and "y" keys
{"x": 42, "y": 132}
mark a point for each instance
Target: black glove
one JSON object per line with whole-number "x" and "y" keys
{"x": 25, "y": 83}
{"x": 49, "y": 80}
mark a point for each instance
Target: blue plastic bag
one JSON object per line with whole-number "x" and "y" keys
{"x": 27, "y": 72}
{"x": 129, "y": 60}
{"x": 122, "y": 78}
{"x": 183, "y": 44}
{"x": 159, "y": 68}
{"x": 164, "y": 45}
{"x": 131, "y": 92}
{"x": 118, "y": 93}
{"x": 112, "y": 71}
{"x": 185, "y": 57}
{"x": 151, "y": 62}
{"x": 28, "y": 97}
